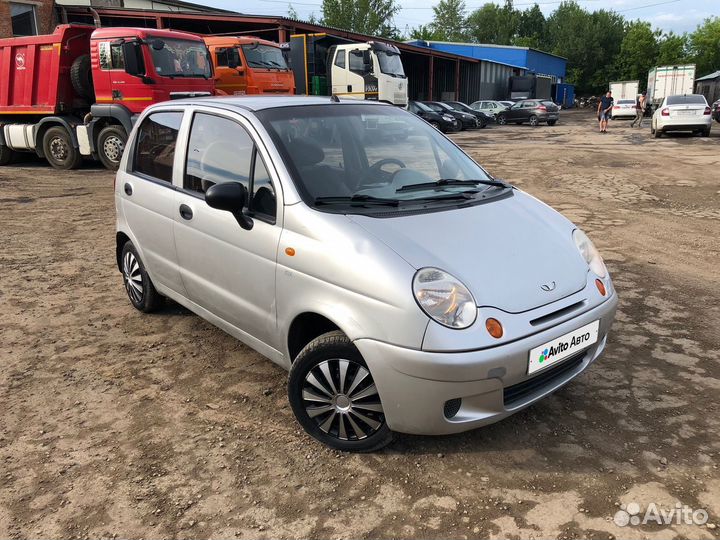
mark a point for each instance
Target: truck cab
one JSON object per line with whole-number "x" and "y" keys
{"x": 368, "y": 71}
{"x": 249, "y": 65}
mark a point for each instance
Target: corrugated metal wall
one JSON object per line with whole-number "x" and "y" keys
{"x": 484, "y": 80}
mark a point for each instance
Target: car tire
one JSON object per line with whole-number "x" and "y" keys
{"x": 334, "y": 398}
{"x": 59, "y": 150}
{"x": 7, "y": 155}
{"x": 482, "y": 124}
{"x": 705, "y": 132}
{"x": 657, "y": 133}
{"x": 110, "y": 146}
{"x": 552, "y": 122}
{"x": 138, "y": 286}
{"x": 501, "y": 119}
{"x": 534, "y": 120}
{"x": 81, "y": 77}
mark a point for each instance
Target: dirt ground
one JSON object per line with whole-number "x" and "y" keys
{"x": 119, "y": 424}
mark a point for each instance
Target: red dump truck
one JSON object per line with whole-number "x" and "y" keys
{"x": 77, "y": 91}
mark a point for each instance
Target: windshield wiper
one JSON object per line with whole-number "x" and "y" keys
{"x": 357, "y": 200}
{"x": 445, "y": 182}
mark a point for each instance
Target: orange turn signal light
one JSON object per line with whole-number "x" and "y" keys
{"x": 601, "y": 287}
{"x": 494, "y": 328}
{"x": 290, "y": 252}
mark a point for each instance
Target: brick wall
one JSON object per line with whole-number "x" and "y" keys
{"x": 44, "y": 16}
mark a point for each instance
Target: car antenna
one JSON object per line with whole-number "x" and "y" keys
{"x": 334, "y": 98}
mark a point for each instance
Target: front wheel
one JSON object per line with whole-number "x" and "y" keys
{"x": 534, "y": 121}
{"x": 59, "y": 150}
{"x": 501, "y": 119}
{"x": 334, "y": 397}
{"x": 110, "y": 146}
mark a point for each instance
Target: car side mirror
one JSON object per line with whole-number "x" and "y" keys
{"x": 230, "y": 197}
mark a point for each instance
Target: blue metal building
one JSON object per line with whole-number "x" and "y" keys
{"x": 530, "y": 60}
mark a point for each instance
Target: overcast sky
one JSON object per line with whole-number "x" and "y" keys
{"x": 676, "y": 15}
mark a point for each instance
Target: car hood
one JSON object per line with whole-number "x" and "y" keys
{"x": 506, "y": 251}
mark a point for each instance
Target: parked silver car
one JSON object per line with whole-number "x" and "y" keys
{"x": 403, "y": 287}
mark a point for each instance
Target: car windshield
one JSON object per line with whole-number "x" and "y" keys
{"x": 435, "y": 107}
{"x": 686, "y": 100}
{"x": 390, "y": 64}
{"x": 352, "y": 158}
{"x": 423, "y": 107}
{"x": 264, "y": 56}
{"x": 180, "y": 58}
{"x": 459, "y": 106}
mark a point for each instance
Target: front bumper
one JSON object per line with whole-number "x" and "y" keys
{"x": 415, "y": 385}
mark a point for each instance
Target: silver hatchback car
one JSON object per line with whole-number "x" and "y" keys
{"x": 403, "y": 287}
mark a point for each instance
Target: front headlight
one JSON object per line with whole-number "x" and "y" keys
{"x": 590, "y": 253}
{"x": 448, "y": 118}
{"x": 444, "y": 298}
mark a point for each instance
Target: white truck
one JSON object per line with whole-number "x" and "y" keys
{"x": 330, "y": 65}
{"x": 624, "y": 89}
{"x": 666, "y": 81}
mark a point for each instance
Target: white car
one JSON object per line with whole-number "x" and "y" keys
{"x": 624, "y": 108}
{"x": 682, "y": 113}
{"x": 488, "y": 106}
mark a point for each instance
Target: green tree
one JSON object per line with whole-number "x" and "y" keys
{"x": 449, "y": 20}
{"x": 372, "y": 17}
{"x": 673, "y": 49}
{"x": 492, "y": 23}
{"x": 531, "y": 28}
{"x": 291, "y": 13}
{"x": 425, "y": 32}
{"x": 638, "y": 52}
{"x": 705, "y": 46}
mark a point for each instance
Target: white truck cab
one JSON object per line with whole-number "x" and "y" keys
{"x": 369, "y": 70}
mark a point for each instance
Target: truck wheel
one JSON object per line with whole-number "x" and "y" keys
{"x": 6, "y": 155}
{"x": 81, "y": 77}
{"x": 334, "y": 397}
{"x": 59, "y": 150}
{"x": 110, "y": 146}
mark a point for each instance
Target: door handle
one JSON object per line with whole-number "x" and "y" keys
{"x": 186, "y": 212}
{"x": 128, "y": 189}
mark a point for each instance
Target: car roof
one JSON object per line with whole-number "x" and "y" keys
{"x": 258, "y": 103}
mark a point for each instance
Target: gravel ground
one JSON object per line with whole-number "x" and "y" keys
{"x": 115, "y": 423}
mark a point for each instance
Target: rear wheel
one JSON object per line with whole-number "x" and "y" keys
{"x": 706, "y": 132}
{"x": 139, "y": 288}
{"x": 334, "y": 397}
{"x": 534, "y": 121}
{"x": 656, "y": 133}
{"x": 6, "y": 155}
{"x": 501, "y": 119}
{"x": 81, "y": 77}
{"x": 110, "y": 146}
{"x": 59, "y": 150}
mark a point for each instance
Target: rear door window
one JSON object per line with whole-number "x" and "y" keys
{"x": 155, "y": 145}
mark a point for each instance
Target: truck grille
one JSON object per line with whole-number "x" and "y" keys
{"x": 512, "y": 395}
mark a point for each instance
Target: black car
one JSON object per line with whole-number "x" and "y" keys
{"x": 467, "y": 121}
{"x": 483, "y": 118}
{"x": 533, "y": 111}
{"x": 444, "y": 122}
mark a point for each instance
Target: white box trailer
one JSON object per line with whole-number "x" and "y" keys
{"x": 666, "y": 81}
{"x": 624, "y": 89}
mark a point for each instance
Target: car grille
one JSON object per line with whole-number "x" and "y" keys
{"x": 518, "y": 392}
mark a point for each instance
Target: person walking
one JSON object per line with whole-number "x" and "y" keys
{"x": 639, "y": 110}
{"x": 604, "y": 107}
